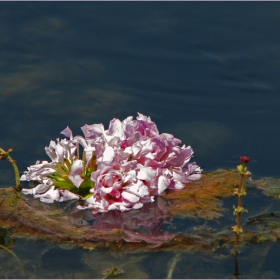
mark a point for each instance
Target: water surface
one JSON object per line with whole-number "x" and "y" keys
{"x": 205, "y": 72}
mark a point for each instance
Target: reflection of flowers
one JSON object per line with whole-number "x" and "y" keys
{"x": 145, "y": 223}
{"x": 121, "y": 168}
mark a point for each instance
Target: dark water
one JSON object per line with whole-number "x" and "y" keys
{"x": 206, "y": 72}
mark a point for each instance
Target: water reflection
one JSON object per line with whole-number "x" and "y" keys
{"x": 185, "y": 256}
{"x": 6, "y": 244}
{"x": 144, "y": 224}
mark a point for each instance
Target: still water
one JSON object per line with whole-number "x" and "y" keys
{"x": 207, "y": 73}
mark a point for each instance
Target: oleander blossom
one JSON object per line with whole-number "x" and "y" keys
{"x": 121, "y": 168}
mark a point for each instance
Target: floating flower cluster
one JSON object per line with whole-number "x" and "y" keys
{"x": 120, "y": 168}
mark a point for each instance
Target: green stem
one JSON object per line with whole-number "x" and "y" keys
{"x": 107, "y": 275}
{"x": 236, "y": 244}
{"x": 13, "y": 162}
{"x": 172, "y": 265}
{"x": 238, "y": 219}
{"x": 239, "y": 201}
{"x": 236, "y": 271}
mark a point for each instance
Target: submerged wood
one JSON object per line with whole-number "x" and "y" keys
{"x": 135, "y": 230}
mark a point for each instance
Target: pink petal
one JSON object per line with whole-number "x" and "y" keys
{"x": 146, "y": 174}
{"x": 50, "y": 151}
{"x": 130, "y": 197}
{"x": 116, "y": 128}
{"x": 93, "y": 131}
{"x": 50, "y": 196}
{"x": 41, "y": 188}
{"x": 67, "y": 132}
{"x": 184, "y": 155}
{"x": 81, "y": 140}
{"x": 76, "y": 172}
{"x": 106, "y": 190}
{"x": 177, "y": 185}
{"x": 194, "y": 177}
{"x": 108, "y": 154}
{"x": 27, "y": 191}
{"x": 169, "y": 140}
{"x": 163, "y": 184}
{"x": 128, "y": 119}
{"x": 67, "y": 195}
{"x": 138, "y": 189}
{"x": 89, "y": 152}
{"x": 60, "y": 153}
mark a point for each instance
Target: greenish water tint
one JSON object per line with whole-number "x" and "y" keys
{"x": 205, "y": 72}
{"x": 43, "y": 260}
{"x": 44, "y": 240}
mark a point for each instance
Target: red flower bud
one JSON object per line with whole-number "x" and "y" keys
{"x": 244, "y": 159}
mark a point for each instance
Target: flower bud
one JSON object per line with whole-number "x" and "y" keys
{"x": 244, "y": 159}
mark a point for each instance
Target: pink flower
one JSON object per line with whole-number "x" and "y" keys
{"x": 117, "y": 187}
{"x": 158, "y": 162}
{"x": 121, "y": 168}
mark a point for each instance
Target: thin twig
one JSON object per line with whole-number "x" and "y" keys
{"x": 16, "y": 257}
{"x": 173, "y": 263}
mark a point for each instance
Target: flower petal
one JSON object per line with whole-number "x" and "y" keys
{"x": 81, "y": 140}
{"x": 67, "y": 195}
{"x": 163, "y": 184}
{"x": 108, "y": 154}
{"x": 130, "y": 197}
{"x": 116, "y": 128}
{"x": 138, "y": 189}
{"x": 50, "y": 196}
{"x": 76, "y": 172}
{"x": 67, "y": 132}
